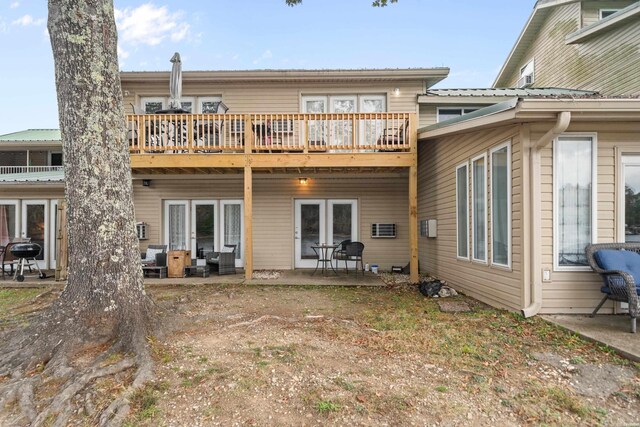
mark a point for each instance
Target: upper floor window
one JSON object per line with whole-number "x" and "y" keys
{"x": 527, "y": 74}
{"x": 200, "y": 104}
{"x": 448, "y": 113}
{"x": 605, "y": 13}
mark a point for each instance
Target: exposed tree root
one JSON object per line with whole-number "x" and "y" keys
{"x": 46, "y": 378}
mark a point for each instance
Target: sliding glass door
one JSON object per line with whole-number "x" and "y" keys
{"x": 231, "y": 227}
{"x": 204, "y": 214}
{"x": 176, "y": 224}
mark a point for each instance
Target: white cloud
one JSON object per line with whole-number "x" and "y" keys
{"x": 150, "y": 25}
{"x": 265, "y": 55}
{"x": 28, "y": 20}
{"x": 122, "y": 54}
{"x": 14, "y": 4}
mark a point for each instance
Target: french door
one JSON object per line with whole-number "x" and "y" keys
{"x": 54, "y": 229}
{"x": 342, "y": 130}
{"x": 35, "y": 225}
{"x": 9, "y": 220}
{"x": 320, "y": 221}
{"x": 204, "y": 214}
{"x": 176, "y": 225}
{"x": 370, "y": 130}
{"x": 232, "y": 227}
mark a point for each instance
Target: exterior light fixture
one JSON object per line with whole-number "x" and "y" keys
{"x": 303, "y": 180}
{"x": 146, "y": 183}
{"x": 396, "y": 91}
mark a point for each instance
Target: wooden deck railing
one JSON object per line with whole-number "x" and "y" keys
{"x": 215, "y": 133}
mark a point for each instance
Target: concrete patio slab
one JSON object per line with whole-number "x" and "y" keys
{"x": 610, "y": 330}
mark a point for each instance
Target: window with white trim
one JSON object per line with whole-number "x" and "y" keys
{"x": 447, "y": 113}
{"x": 501, "y": 205}
{"x": 152, "y": 104}
{"x": 479, "y": 208}
{"x": 462, "y": 210}
{"x": 574, "y": 199}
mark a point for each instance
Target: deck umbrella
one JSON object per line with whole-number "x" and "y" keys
{"x": 175, "y": 83}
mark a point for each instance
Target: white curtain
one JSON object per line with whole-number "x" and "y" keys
{"x": 479, "y": 209}
{"x": 500, "y": 213}
{"x": 177, "y": 227}
{"x": 233, "y": 227}
{"x": 573, "y": 175}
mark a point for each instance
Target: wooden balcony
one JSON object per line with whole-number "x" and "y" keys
{"x": 334, "y": 133}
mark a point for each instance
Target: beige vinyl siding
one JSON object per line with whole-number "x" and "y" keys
{"x": 428, "y": 115}
{"x": 591, "y": 9}
{"x": 381, "y": 198}
{"x": 264, "y": 97}
{"x": 579, "y": 292}
{"x": 606, "y": 63}
{"x": 438, "y": 160}
{"x": 29, "y": 191}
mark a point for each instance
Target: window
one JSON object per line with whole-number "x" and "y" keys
{"x": 462, "y": 210}
{"x": 501, "y": 205}
{"x": 527, "y": 75}
{"x": 479, "y": 208}
{"x": 209, "y": 104}
{"x": 448, "y": 113}
{"x": 55, "y": 158}
{"x": 574, "y": 168}
{"x": 605, "y": 13}
{"x": 151, "y": 105}
{"x": 187, "y": 104}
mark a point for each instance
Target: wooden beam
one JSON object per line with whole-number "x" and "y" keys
{"x": 196, "y": 160}
{"x": 414, "y": 273}
{"x": 248, "y": 223}
{"x": 327, "y": 160}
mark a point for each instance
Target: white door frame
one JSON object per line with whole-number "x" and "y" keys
{"x": 298, "y": 261}
{"x": 23, "y": 227}
{"x": 216, "y": 220}
{"x": 187, "y": 233}
{"x": 354, "y": 218}
{"x": 221, "y": 234}
{"x": 624, "y": 158}
{"x": 16, "y": 226}
{"x": 53, "y": 232}
{"x": 335, "y": 125}
{"x": 377, "y": 126}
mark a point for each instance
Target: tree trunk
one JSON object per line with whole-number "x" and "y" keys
{"x": 105, "y": 283}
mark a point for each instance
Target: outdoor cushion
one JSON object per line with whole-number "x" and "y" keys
{"x": 227, "y": 249}
{"x": 613, "y": 259}
{"x": 151, "y": 255}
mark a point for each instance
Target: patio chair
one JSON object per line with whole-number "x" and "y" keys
{"x": 619, "y": 266}
{"x": 224, "y": 262}
{"x": 393, "y": 137}
{"x": 8, "y": 259}
{"x": 353, "y": 252}
{"x": 340, "y": 254}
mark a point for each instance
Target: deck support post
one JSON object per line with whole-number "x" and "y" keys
{"x": 414, "y": 273}
{"x": 248, "y": 221}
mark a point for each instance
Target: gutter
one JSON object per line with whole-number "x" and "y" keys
{"x": 535, "y": 199}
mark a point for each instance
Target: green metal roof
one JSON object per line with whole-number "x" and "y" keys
{"x": 30, "y": 177}
{"x": 33, "y": 135}
{"x": 482, "y": 112}
{"x": 511, "y": 92}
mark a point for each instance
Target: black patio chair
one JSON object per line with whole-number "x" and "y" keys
{"x": 353, "y": 252}
{"x": 340, "y": 253}
{"x": 223, "y": 262}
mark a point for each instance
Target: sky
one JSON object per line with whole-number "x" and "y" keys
{"x": 471, "y": 37}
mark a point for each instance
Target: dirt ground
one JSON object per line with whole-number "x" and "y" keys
{"x": 291, "y": 356}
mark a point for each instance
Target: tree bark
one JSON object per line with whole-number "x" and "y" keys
{"x": 105, "y": 283}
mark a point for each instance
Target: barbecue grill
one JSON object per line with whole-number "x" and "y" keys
{"x": 26, "y": 254}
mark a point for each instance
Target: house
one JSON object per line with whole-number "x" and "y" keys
{"x": 521, "y": 176}
{"x": 269, "y": 161}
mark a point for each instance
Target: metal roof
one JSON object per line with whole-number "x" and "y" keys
{"x": 32, "y": 177}
{"x": 32, "y": 135}
{"x": 612, "y": 21}
{"x": 510, "y": 92}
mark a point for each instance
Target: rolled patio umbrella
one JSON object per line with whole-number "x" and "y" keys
{"x": 175, "y": 83}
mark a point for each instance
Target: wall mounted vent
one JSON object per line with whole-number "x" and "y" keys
{"x": 141, "y": 230}
{"x": 383, "y": 231}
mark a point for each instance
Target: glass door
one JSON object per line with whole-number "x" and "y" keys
{"x": 54, "y": 231}
{"x": 371, "y": 129}
{"x": 9, "y": 223}
{"x": 232, "y": 227}
{"x": 342, "y": 220}
{"x": 309, "y": 230}
{"x": 35, "y": 220}
{"x": 342, "y": 128}
{"x": 176, "y": 227}
{"x": 316, "y": 129}
{"x": 631, "y": 198}
{"x": 203, "y": 228}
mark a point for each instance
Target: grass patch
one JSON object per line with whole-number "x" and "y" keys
{"x": 326, "y": 406}
{"x": 442, "y": 389}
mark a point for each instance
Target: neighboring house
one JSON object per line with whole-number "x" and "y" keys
{"x": 270, "y": 161}
{"x": 520, "y": 179}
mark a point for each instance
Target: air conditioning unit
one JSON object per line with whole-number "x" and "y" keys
{"x": 525, "y": 81}
{"x": 383, "y": 231}
{"x": 141, "y": 230}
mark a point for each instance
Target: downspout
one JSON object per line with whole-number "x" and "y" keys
{"x": 535, "y": 197}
